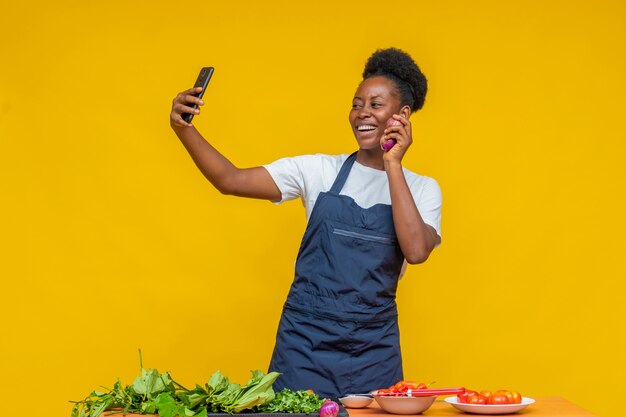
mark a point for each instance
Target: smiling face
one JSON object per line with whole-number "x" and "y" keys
{"x": 375, "y": 101}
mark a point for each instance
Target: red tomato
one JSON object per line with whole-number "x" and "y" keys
{"x": 401, "y": 387}
{"x": 476, "y": 399}
{"x": 411, "y": 385}
{"x": 517, "y": 397}
{"x": 486, "y": 394}
{"x": 463, "y": 396}
{"x": 509, "y": 396}
{"x": 499, "y": 398}
{"x": 514, "y": 397}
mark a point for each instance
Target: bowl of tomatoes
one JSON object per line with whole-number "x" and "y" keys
{"x": 405, "y": 405}
{"x": 489, "y": 402}
{"x": 406, "y": 397}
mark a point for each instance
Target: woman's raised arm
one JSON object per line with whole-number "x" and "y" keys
{"x": 226, "y": 178}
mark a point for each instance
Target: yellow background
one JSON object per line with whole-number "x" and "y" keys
{"x": 113, "y": 241}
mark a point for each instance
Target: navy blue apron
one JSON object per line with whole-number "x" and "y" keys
{"x": 338, "y": 332}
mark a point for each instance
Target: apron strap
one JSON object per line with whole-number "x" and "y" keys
{"x": 343, "y": 174}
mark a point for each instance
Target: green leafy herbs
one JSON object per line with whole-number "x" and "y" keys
{"x": 141, "y": 397}
{"x": 154, "y": 392}
{"x": 220, "y": 395}
{"x": 288, "y": 401}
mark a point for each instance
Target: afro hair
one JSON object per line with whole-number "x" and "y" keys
{"x": 399, "y": 67}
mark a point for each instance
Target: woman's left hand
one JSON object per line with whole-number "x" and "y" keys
{"x": 401, "y": 133}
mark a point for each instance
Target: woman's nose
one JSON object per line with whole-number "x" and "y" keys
{"x": 363, "y": 113}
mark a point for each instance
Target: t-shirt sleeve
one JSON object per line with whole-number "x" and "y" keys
{"x": 429, "y": 204}
{"x": 288, "y": 174}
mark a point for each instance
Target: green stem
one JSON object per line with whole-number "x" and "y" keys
{"x": 180, "y": 386}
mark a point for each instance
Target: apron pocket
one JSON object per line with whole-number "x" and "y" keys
{"x": 363, "y": 235}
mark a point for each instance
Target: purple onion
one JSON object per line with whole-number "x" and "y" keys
{"x": 329, "y": 409}
{"x": 388, "y": 144}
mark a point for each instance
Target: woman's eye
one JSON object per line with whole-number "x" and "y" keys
{"x": 376, "y": 105}
{"x": 355, "y": 106}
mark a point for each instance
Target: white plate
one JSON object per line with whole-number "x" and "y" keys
{"x": 489, "y": 408}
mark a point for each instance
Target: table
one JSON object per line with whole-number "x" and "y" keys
{"x": 543, "y": 407}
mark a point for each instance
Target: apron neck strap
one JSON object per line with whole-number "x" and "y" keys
{"x": 343, "y": 174}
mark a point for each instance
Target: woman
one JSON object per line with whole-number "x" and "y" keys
{"x": 367, "y": 215}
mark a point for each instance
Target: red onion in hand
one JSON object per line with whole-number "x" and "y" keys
{"x": 329, "y": 409}
{"x": 388, "y": 144}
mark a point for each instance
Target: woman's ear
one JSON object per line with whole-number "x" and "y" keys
{"x": 405, "y": 111}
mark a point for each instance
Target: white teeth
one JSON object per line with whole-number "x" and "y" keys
{"x": 365, "y": 127}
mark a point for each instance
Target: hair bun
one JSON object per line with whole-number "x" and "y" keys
{"x": 399, "y": 66}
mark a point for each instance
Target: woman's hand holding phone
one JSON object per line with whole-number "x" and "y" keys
{"x": 182, "y": 106}
{"x": 186, "y": 104}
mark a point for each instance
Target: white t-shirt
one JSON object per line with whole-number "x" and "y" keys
{"x": 307, "y": 175}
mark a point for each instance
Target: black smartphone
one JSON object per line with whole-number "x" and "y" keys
{"x": 202, "y": 81}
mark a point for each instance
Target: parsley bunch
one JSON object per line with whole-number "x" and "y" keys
{"x": 288, "y": 401}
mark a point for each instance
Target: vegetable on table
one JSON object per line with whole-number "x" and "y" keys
{"x": 463, "y": 397}
{"x": 329, "y": 409}
{"x": 288, "y": 401}
{"x": 498, "y": 397}
{"x": 143, "y": 396}
{"x": 401, "y": 388}
{"x": 153, "y": 392}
